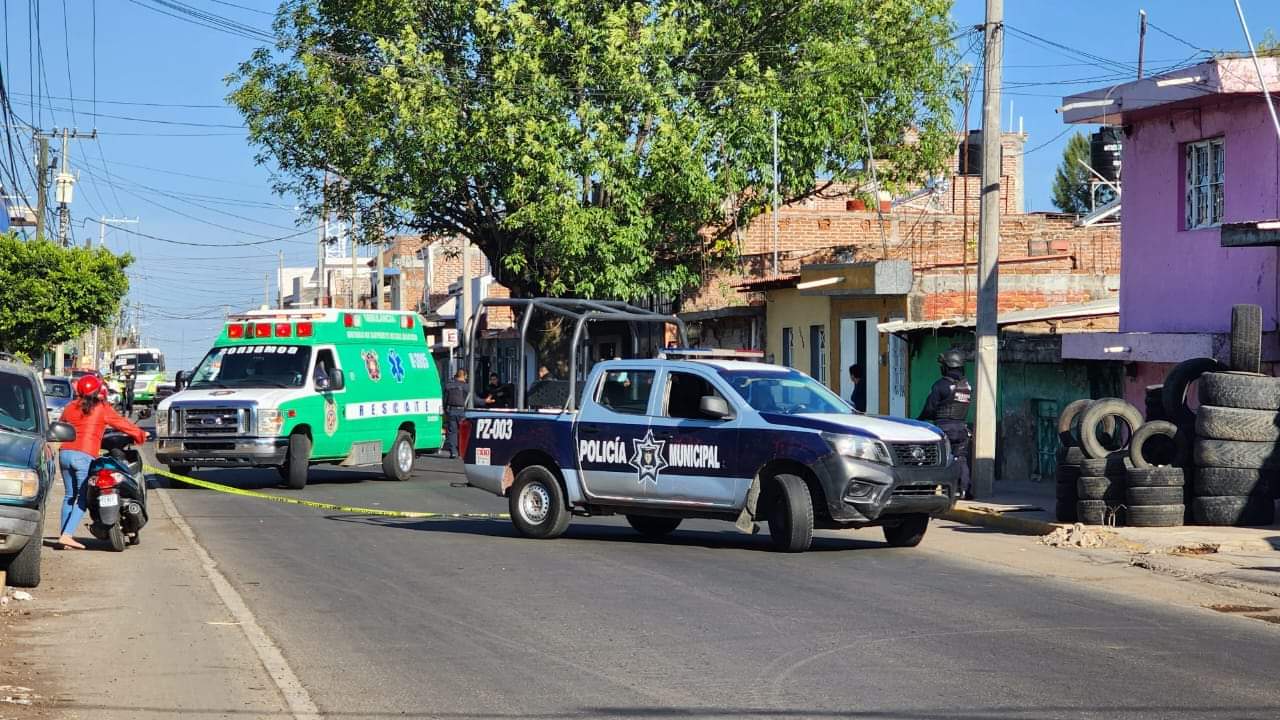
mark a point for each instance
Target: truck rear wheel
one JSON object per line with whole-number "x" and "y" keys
{"x": 653, "y": 527}
{"x": 299, "y": 461}
{"x": 397, "y": 464}
{"x": 537, "y": 504}
{"x": 790, "y": 514}
{"x": 907, "y": 533}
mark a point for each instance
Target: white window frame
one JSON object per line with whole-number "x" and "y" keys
{"x": 1205, "y": 170}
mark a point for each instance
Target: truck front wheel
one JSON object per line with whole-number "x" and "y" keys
{"x": 537, "y": 505}
{"x": 299, "y": 461}
{"x": 907, "y": 533}
{"x": 790, "y": 514}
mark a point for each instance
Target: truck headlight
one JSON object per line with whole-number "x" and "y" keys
{"x": 270, "y": 422}
{"x": 861, "y": 448}
{"x": 946, "y": 450}
{"x": 162, "y": 423}
{"x": 19, "y": 483}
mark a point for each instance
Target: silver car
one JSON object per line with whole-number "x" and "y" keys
{"x": 58, "y": 393}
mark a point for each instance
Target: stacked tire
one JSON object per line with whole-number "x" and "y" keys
{"x": 1067, "y": 475}
{"x": 1156, "y": 492}
{"x": 1237, "y": 447}
{"x": 1100, "y": 490}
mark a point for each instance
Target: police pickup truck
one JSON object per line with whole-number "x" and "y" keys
{"x": 694, "y": 435}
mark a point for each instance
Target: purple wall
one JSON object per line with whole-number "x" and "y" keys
{"x": 1174, "y": 280}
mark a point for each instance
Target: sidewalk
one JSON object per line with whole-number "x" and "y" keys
{"x": 1240, "y": 557}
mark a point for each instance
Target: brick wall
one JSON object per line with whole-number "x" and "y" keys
{"x": 446, "y": 268}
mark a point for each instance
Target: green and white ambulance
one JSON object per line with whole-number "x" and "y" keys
{"x": 292, "y": 388}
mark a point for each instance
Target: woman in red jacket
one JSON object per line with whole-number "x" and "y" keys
{"x": 90, "y": 416}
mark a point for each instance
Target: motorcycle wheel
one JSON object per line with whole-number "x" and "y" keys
{"x": 116, "y": 537}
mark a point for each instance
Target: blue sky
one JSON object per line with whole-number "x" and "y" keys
{"x": 173, "y": 156}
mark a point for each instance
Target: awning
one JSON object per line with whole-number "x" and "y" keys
{"x": 737, "y": 311}
{"x": 1062, "y": 312}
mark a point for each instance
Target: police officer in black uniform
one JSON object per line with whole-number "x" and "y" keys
{"x": 948, "y": 406}
{"x": 455, "y": 405}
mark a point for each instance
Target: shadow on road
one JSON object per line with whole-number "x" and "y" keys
{"x": 260, "y": 479}
{"x": 583, "y": 531}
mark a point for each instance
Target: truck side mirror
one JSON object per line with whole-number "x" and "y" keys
{"x": 181, "y": 380}
{"x": 714, "y": 407}
{"x": 337, "y": 380}
{"x": 61, "y": 432}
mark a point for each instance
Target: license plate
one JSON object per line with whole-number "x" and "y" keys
{"x": 108, "y": 500}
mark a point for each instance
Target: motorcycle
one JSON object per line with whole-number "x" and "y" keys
{"x": 117, "y": 493}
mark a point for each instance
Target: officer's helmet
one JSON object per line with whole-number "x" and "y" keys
{"x": 951, "y": 359}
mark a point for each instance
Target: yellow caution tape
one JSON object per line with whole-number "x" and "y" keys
{"x": 151, "y": 469}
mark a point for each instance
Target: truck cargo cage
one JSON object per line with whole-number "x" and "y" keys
{"x": 709, "y": 354}
{"x": 580, "y": 312}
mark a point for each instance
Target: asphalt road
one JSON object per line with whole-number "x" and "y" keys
{"x": 461, "y": 619}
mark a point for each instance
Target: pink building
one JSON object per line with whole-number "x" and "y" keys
{"x": 1199, "y": 152}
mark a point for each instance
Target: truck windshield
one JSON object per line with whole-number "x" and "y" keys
{"x": 253, "y": 366}
{"x": 789, "y": 393}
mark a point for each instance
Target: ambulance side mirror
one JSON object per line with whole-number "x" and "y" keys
{"x": 337, "y": 380}
{"x": 181, "y": 380}
{"x": 714, "y": 407}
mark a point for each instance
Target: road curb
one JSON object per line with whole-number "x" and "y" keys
{"x": 1000, "y": 521}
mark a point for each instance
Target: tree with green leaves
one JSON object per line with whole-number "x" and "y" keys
{"x": 1071, "y": 183}
{"x": 51, "y": 294}
{"x": 594, "y": 148}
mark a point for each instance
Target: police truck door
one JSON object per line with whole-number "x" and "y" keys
{"x": 617, "y": 458}
{"x": 699, "y": 450}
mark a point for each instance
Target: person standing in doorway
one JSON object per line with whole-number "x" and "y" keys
{"x": 948, "y": 407}
{"x": 858, "y": 398}
{"x": 455, "y": 405}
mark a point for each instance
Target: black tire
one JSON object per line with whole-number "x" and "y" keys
{"x": 1154, "y": 400}
{"x": 1237, "y": 454}
{"x": 1153, "y": 496}
{"x": 1222, "y": 423}
{"x": 1066, "y": 490}
{"x": 907, "y": 533}
{"x": 1069, "y": 426}
{"x": 790, "y": 514}
{"x": 23, "y": 569}
{"x": 1246, "y": 338}
{"x": 184, "y": 470}
{"x": 299, "y": 462}
{"x": 1093, "y": 421}
{"x": 1240, "y": 390}
{"x": 1067, "y": 473}
{"x": 1113, "y": 464}
{"x": 1256, "y": 510}
{"x": 1091, "y": 512}
{"x": 397, "y": 464}
{"x": 135, "y": 539}
{"x": 1065, "y": 510}
{"x": 115, "y": 536}
{"x": 1070, "y": 456}
{"x": 1232, "y": 482}
{"x": 1099, "y": 488}
{"x": 537, "y": 504}
{"x": 1154, "y": 515}
{"x": 1159, "y": 443}
{"x": 1176, "y": 384}
{"x": 653, "y": 527}
{"x": 1151, "y": 477}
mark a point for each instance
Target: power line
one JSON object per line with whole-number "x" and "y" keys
{"x": 138, "y": 103}
{"x": 187, "y": 243}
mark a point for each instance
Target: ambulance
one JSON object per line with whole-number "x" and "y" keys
{"x": 293, "y": 388}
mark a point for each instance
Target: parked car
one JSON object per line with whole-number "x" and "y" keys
{"x": 57, "y": 394}
{"x": 27, "y": 469}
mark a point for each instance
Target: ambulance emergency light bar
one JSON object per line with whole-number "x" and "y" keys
{"x": 245, "y": 328}
{"x": 696, "y": 353}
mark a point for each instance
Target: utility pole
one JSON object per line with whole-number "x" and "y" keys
{"x": 377, "y": 281}
{"x": 464, "y": 339}
{"x": 266, "y": 290}
{"x": 984, "y": 446}
{"x": 324, "y": 235}
{"x": 777, "y": 270}
{"x": 1142, "y": 38}
{"x": 355, "y": 273}
{"x": 66, "y": 183}
{"x": 280, "y": 283}
{"x": 42, "y": 182}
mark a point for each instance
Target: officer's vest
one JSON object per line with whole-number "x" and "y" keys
{"x": 957, "y": 408}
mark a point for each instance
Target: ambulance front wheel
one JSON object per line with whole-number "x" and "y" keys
{"x": 536, "y": 501}
{"x": 295, "y": 469}
{"x": 397, "y": 464}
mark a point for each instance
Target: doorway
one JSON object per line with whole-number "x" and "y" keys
{"x": 860, "y": 344}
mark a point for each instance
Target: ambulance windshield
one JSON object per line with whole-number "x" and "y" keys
{"x": 253, "y": 366}
{"x": 789, "y": 393}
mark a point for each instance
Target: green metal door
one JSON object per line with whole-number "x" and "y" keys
{"x": 1046, "y": 415}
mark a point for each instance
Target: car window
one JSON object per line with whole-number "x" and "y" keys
{"x": 626, "y": 391}
{"x": 18, "y": 403}
{"x": 684, "y": 393}
{"x": 57, "y": 389}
